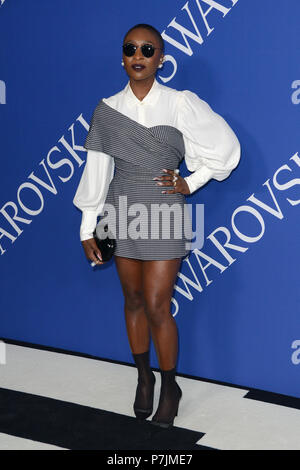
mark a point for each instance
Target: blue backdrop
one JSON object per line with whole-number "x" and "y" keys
{"x": 236, "y": 301}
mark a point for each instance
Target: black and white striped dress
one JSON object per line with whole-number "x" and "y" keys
{"x": 160, "y": 224}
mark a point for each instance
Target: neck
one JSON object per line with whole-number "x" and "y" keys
{"x": 141, "y": 87}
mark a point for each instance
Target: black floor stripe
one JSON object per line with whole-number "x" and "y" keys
{"x": 274, "y": 398}
{"x": 78, "y": 427}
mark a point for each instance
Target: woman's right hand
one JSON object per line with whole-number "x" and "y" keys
{"x": 91, "y": 251}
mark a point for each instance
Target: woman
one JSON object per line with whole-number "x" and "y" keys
{"x": 136, "y": 141}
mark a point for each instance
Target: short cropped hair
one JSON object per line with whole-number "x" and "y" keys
{"x": 149, "y": 28}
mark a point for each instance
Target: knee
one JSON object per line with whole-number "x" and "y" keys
{"x": 157, "y": 312}
{"x": 134, "y": 300}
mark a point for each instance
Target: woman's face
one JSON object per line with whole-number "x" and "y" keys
{"x": 138, "y": 37}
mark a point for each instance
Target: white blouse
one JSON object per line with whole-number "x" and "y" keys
{"x": 212, "y": 149}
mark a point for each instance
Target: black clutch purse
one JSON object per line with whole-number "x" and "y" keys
{"x": 106, "y": 244}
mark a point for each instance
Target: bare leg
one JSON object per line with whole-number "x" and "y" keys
{"x": 130, "y": 273}
{"x": 158, "y": 284}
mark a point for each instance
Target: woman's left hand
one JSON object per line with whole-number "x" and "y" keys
{"x": 180, "y": 185}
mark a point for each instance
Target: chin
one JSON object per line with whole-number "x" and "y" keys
{"x": 140, "y": 76}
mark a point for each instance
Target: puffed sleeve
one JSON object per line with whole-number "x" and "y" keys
{"x": 212, "y": 149}
{"x": 91, "y": 192}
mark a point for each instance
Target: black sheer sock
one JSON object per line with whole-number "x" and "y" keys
{"x": 143, "y": 404}
{"x": 170, "y": 395}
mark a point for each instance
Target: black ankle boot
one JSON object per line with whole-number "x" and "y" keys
{"x": 143, "y": 404}
{"x": 170, "y": 395}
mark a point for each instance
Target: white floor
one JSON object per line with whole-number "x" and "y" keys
{"x": 229, "y": 421}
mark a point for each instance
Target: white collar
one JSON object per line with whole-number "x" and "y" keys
{"x": 150, "y": 99}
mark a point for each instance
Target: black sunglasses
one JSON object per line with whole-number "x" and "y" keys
{"x": 147, "y": 49}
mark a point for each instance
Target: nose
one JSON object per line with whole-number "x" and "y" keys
{"x": 138, "y": 53}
